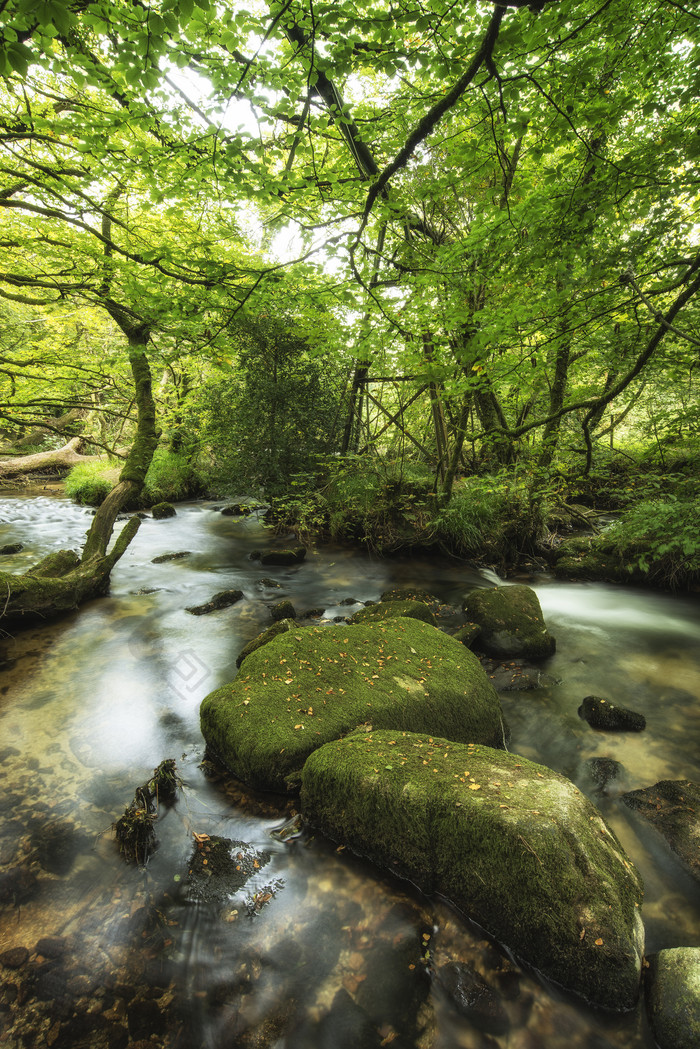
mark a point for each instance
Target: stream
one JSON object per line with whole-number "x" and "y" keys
{"x": 317, "y": 949}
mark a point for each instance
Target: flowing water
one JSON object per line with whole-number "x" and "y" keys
{"x": 317, "y": 949}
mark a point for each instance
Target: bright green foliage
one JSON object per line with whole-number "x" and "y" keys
{"x": 275, "y": 413}
{"x": 171, "y": 477}
{"x": 89, "y": 483}
{"x": 660, "y": 538}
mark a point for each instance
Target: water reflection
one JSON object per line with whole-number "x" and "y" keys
{"x": 316, "y": 948}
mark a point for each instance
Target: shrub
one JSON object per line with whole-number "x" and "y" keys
{"x": 89, "y": 483}
{"x": 661, "y": 538}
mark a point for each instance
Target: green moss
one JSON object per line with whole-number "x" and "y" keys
{"x": 392, "y": 610}
{"x": 511, "y": 623}
{"x": 513, "y": 844}
{"x": 280, "y": 627}
{"x": 315, "y": 684}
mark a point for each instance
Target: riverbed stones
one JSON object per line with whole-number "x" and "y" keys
{"x": 673, "y": 808}
{"x": 473, "y": 997}
{"x": 393, "y": 610}
{"x": 224, "y": 599}
{"x": 511, "y": 623}
{"x": 314, "y": 684}
{"x": 673, "y": 997}
{"x": 513, "y": 844}
{"x": 602, "y": 714}
{"x": 282, "y": 610}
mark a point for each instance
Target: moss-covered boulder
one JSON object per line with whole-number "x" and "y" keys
{"x": 392, "y": 610}
{"x": 511, "y": 623}
{"x": 673, "y": 997}
{"x": 514, "y": 845}
{"x": 315, "y": 684}
{"x": 162, "y": 510}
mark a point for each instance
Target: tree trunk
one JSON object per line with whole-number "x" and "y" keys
{"x": 62, "y": 581}
{"x": 56, "y": 425}
{"x": 59, "y": 460}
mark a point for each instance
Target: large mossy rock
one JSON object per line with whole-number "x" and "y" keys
{"x": 514, "y": 845}
{"x": 511, "y": 622}
{"x": 393, "y": 610}
{"x": 673, "y": 997}
{"x": 315, "y": 684}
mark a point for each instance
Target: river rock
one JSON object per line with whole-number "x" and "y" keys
{"x": 467, "y": 634}
{"x": 602, "y": 714}
{"x": 283, "y": 557}
{"x": 511, "y": 623}
{"x": 14, "y": 957}
{"x": 516, "y": 846}
{"x": 473, "y": 997}
{"x": 393, "y": 609}
{"x": 223, "y": 599}
{"x": 279, "y": 627}
{"x": 163, "y": 558}
{"x": 162, "y": 510}
{"x": 672, "y": 806}
{"x": 11, "y": 548}
{"x": 315, "y": 684}
{"x": 673, "y": 997}
{"x": 282, "y": 610}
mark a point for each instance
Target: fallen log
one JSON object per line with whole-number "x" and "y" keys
{"x": 59, "y": 459}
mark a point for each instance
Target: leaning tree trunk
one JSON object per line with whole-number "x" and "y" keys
{"x": 62, "y": 581}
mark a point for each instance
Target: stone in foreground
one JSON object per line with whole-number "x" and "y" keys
{"x": 311, "y": 685}
{"x": 511, "y": 623}
{"x": 673, "y": 997}
{"x": 514, "y": 845}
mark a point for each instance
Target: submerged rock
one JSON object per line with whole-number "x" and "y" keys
{"x": 602, "y": 714}
{"x": 220, "y": 867}
{"x": 393, "y": 610}
{"x": 162, "y": 558}
{"x": 473, "y": 997}
{"x": 283, "y": 557}
{"x": 511, "y": 623}
{"x": 11, "y": 548}
{"x": 603, "y": 771}
{"x": 513, "y": 844}
{"x": 162, "y": 510}
{"x": 672, "y": 806}
{"x": 314, "y": 684}
{"x": 673, "y": 997}
{"x": 223, "y": 599}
